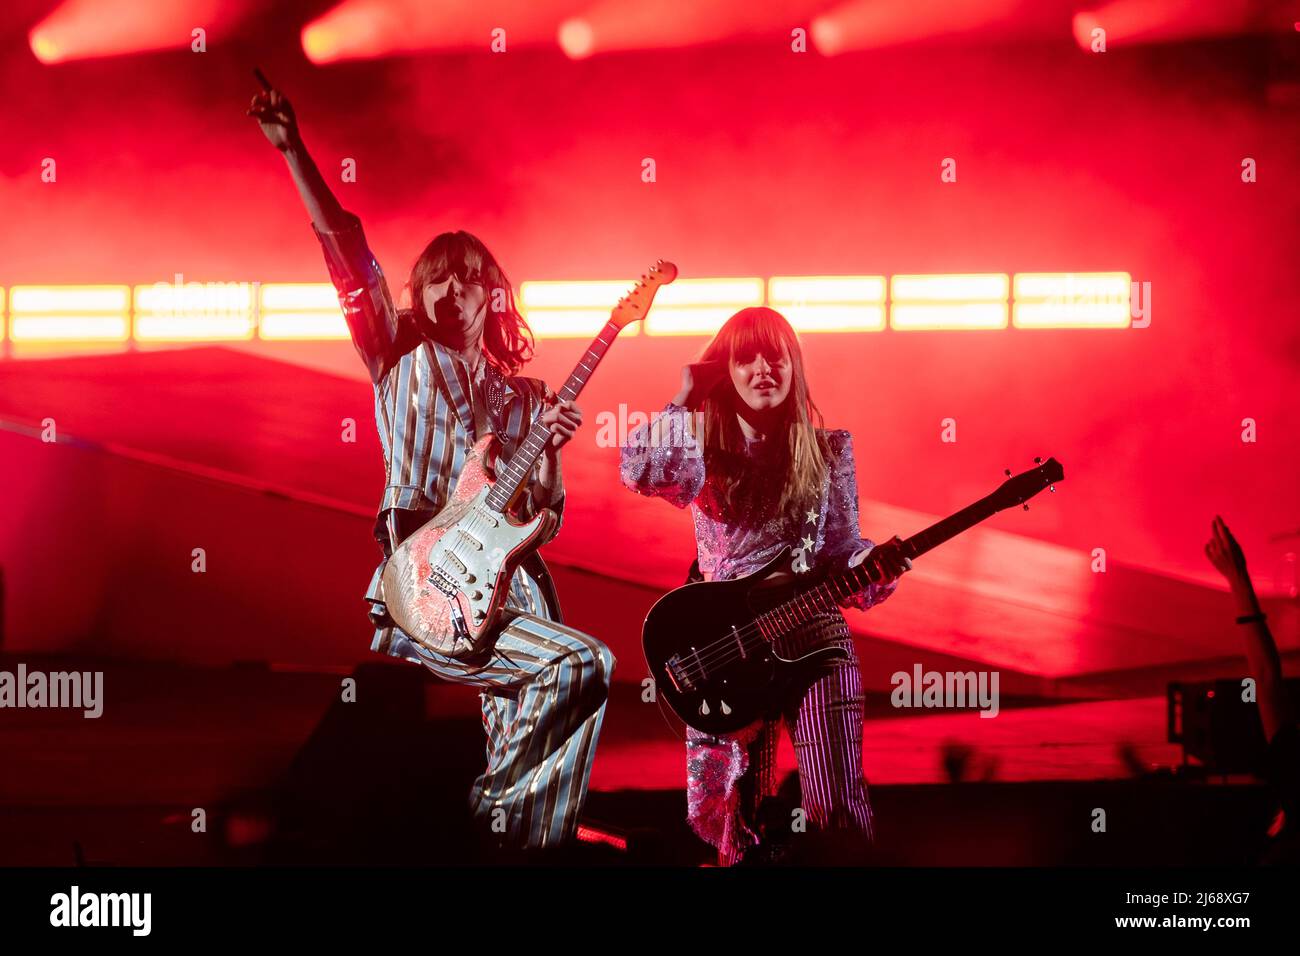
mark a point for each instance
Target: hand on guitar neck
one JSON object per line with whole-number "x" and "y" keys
{"x": 562, "y": 418}
{"x": 885, "y": 562}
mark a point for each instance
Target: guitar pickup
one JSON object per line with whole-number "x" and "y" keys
{"x": 469, "y": 539}
{"x": 676, "y": 669}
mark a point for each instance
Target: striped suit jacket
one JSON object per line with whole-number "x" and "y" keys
{"x": 425, "y": 415}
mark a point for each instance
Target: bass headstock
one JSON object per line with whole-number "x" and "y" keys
{"x": 1019, "y": 489}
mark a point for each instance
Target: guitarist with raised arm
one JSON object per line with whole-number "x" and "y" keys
{"x": 738, "y": 445}
{"x": 444, "y": 375}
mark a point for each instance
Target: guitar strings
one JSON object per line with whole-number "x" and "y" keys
{"x": 714, "y": 654}
{"x": 477, "y": 520}
{"x": 723, "y": 651}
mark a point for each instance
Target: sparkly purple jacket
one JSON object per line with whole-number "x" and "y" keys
{"x": 673, "y": 469}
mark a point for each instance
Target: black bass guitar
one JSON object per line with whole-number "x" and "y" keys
{"x": 710, "y": 645}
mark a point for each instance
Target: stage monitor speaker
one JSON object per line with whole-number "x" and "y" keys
{"x": 1216, "y": 727}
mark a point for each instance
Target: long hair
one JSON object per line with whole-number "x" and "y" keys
{"x": 798, "y": 465}
{"x": 507, "y": 340}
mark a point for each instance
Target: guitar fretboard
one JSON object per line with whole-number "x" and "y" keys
{"x": 514, "y": 475}
{"x": 824, "y": 597}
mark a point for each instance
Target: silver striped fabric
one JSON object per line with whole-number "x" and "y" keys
{"x": 543, "y": 686}
{"x": 424, "y": 410}
{"x": 729, "y": 776}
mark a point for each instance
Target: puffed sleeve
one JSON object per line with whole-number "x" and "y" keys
{"x": 664, "y": 459}
{"x": 363, "y": 294}
{"x": 842, "y": 537}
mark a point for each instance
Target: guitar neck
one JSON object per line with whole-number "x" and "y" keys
{"x": 824, "y": 596}
{"x": 923, "y": 541}
{"x": 515, "y": 475}
{"x": 951, "y": 526}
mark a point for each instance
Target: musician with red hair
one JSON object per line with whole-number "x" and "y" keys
{"x": 741, "y": 445}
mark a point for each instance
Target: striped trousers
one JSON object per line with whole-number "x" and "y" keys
{"x": 729, "y": 776}
{"x": 544, "y": 687}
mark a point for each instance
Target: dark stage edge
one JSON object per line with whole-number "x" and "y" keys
{"x": 284, "y": 773}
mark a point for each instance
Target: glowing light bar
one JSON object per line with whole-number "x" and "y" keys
{"x": 301, "y": 310}
{"x": 829, "y": 303}
{"x": 700, "y": 306}
{"x": 185, "y": 312}
{"x": 1071, "y": 300}
{"x": 949, "y": 302}
{"x": 194, "y": 311}
{"x": 570, "y": 309}
{"x": 90, "y": 313}
{"x": 564, "y": 295}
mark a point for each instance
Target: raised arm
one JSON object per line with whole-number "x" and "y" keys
{"x": 274, "y": 114}
{"x": 372, "y": 318}
{"x": 1261, "y": 652}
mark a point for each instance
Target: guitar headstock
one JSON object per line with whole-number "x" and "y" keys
{"x": 1022, "y": 487}
{"x": 636, "y": 303}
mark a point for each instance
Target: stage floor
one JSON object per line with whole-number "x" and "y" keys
{"x": 194, "y": 729}
{"x": 123, "y": 787}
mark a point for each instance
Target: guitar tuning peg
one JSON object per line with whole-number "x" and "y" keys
{"x": 1007, "y": 472}
{"x": 1052, "y": 488}
{"x": 1038, "y": 460}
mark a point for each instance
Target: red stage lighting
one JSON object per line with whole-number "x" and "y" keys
{"x": 1164, "y": 21}
{"x": 358, "y": 29}
{"x": 616, "y": 25}
{"x": 871, "y": 24}
{"x": 78, "y": 29}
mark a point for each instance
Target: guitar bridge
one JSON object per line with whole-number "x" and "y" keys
{"x": 443, "y": 581}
